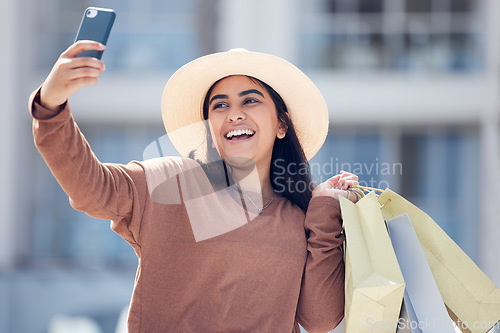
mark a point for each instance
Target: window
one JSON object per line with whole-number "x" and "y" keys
{"x": 429, "y": 36}
{"x": 148, "y": 36}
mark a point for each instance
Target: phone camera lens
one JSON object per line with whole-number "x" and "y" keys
{"x": 91, "y": 13}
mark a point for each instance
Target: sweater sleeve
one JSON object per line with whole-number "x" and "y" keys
{"x": 321, "y": 300}
{"x": 103, "y": 190}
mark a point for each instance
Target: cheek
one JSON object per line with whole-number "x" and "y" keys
{"x": 214, "y": 127}
{"x": 213, "y": 123}
{"x": 272, "y": 126}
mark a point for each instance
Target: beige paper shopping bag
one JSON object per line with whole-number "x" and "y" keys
{"x": 374, "y": 284}
{"x": 471, "y": 298}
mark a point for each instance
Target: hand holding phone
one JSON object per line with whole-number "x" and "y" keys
{"x": 71, "y": 73}
{"x": 80, "y": 64}
{"x": 96, "y": 25}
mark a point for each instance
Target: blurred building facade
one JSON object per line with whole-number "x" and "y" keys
{"x": 412, "y": 86}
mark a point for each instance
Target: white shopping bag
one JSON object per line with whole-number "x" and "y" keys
{"x": 426, "y": 312}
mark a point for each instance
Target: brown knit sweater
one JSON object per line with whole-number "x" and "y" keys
{"x": 207, "y": 261}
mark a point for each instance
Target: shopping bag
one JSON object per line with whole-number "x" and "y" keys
{"x": 404, "y": 318}
{"x": 374, "y": 284}
{"x": 424, "y": 305}
{"x": 473, "y": 301}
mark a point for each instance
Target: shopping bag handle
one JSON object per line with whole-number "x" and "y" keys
{"x": 361, "y": 191}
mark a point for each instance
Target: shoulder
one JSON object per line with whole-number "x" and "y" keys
{"x": 158, "y": 169}
{"x": 162, "y": 168}
{"x": 167, "y": 176}
{"x": 171, "y": 164}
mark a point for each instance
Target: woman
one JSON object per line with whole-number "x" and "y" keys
{"x": 227, "y": 240}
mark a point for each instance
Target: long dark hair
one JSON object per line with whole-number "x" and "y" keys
{"x": 289, "y": 171}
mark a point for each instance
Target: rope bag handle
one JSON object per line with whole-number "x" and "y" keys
{"x": 361, "y": 191}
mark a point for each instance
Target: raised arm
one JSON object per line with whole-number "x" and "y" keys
{"x": 108, "y": 191}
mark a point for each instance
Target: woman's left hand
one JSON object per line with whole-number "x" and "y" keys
{"x": 337, "y": 186}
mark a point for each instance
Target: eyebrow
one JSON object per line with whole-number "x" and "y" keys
{"x": 241, "y": 94}
{"x": 218, "y": 97}
{"x": 251, "y": 91}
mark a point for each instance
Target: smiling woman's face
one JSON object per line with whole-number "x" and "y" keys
{"x": 243, "y": 120}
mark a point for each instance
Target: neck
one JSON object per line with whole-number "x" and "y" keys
{"x": 251, "y": 178}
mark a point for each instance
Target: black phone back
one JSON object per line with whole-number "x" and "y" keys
{"x": 96, "y": 25}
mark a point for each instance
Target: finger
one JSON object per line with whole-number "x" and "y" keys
{"x": 82, "y": 45}
{"x": 342, "y": 185}
{"x": 334, "y": 180}
{"x": 345, "y": 183}
{"x": 349, "y": 179}
{"x": 351, "y": 183}
{"x": 87, "y": 62}
{"x": 83, "y": 82}
{"x": 351, "y": 196}
{"x": 348, "y": 175}
{"x": 84, "y": 72}
{"x": 345, "y": 174}
{"x": 74, "y": 63}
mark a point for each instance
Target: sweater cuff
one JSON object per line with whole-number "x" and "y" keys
{"x": 39, "y": 112}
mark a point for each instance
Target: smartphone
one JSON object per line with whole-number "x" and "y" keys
{"x": 96, "y": 25}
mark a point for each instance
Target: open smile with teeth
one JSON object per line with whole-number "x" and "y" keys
{"x": 240, "y": 134}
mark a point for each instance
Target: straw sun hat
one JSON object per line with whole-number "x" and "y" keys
{"x": 185, "y": 91}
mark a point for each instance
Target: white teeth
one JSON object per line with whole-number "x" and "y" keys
{"x": 239, "y": 132}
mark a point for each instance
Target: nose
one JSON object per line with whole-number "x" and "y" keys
{"x": 235, "y": 114}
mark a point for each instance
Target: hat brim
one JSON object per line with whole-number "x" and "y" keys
{"x": 185, "y": 91}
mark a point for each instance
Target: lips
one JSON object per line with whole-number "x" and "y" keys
{"x": 239, "y": 134}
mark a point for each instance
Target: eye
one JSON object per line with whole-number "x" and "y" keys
{"x": 220, "y": 105}
{"x": 251, "y": 100}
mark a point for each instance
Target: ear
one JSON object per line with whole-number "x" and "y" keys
{"x": 282, "y": 131}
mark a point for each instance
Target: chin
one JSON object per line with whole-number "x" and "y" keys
{"x": 239, "y": 161}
